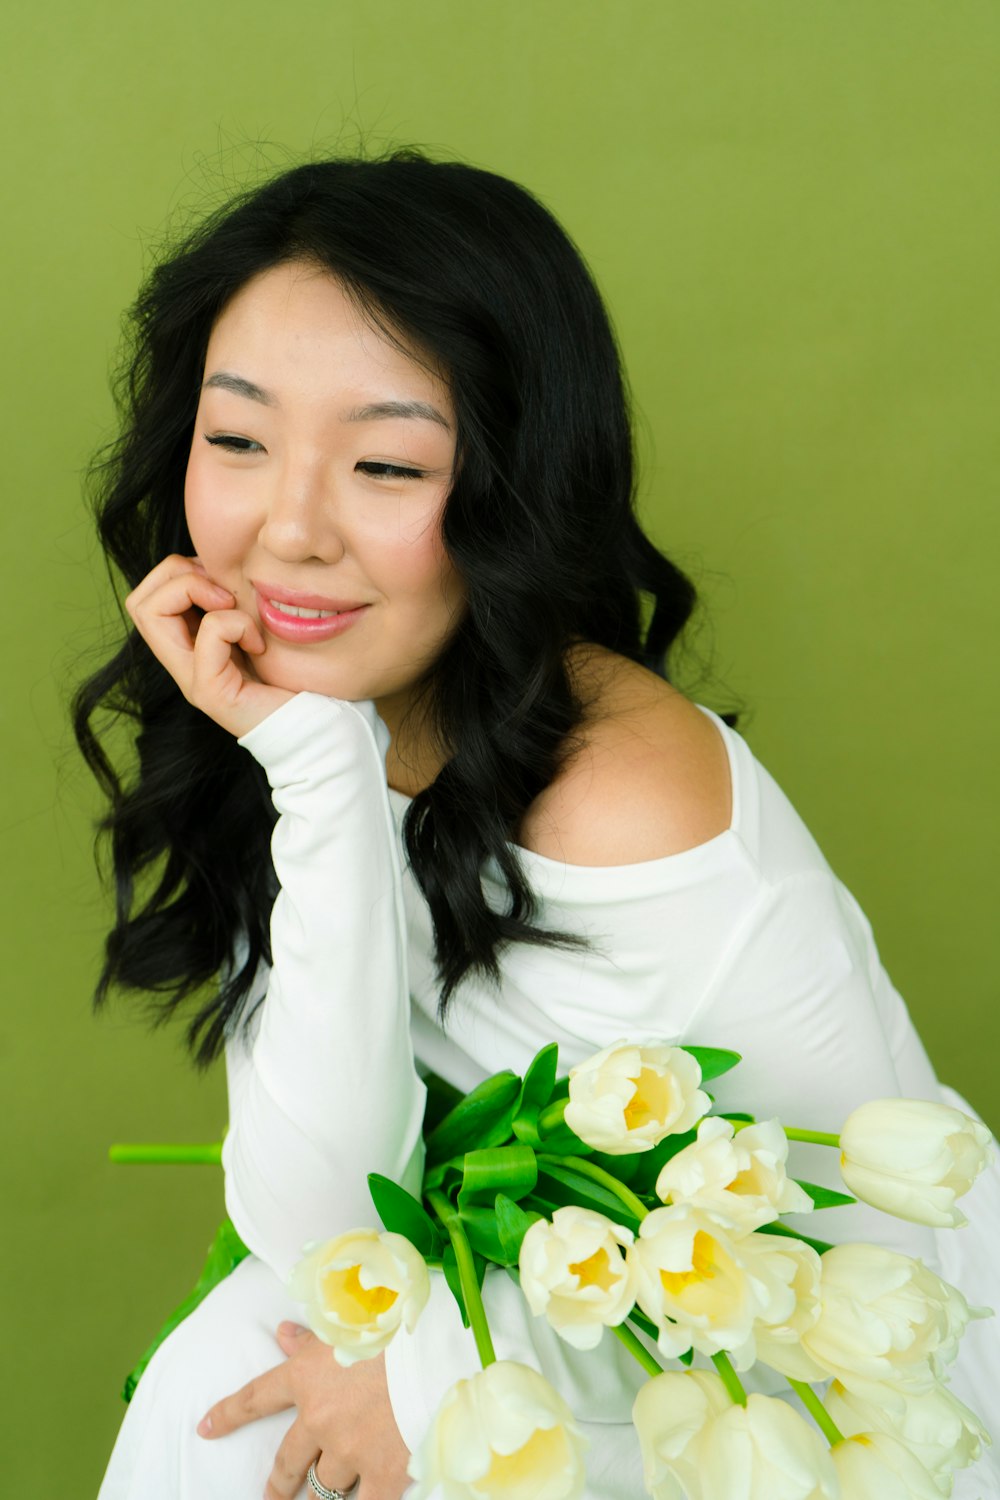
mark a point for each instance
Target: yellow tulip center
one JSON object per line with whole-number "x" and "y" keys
{"x": 703, "y": 1266}
{"x": 522, "y": 1474}
{"x": 650, "y": 1104}
{"x": 354, "y": 1303}
{"x": 743, "y": 1182}
{"x": 594, "y": 1271}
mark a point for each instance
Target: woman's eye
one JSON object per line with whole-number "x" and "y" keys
{"x": 389, "y": 471}
{"x": 233, "y": 444}
{"x": 375, "y": 470}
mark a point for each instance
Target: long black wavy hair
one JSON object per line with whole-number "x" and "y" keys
{"x": 540, "y": 523}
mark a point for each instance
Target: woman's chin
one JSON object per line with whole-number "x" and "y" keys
{"x": 299, "y": 679}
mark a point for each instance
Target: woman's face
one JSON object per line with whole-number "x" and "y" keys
{"x": 330, "y": 497}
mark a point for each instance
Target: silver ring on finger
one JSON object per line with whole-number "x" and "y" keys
{"x": 319, "y": 1488}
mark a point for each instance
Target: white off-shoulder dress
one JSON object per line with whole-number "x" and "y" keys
{"x": 748, "y": 941}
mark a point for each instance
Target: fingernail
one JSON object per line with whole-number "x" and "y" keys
{"x": 205, "y": 1427}
{"x": 292, "y": 1330}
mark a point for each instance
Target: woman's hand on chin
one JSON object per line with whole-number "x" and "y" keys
{"x": 193, "y": 627}
{"x": 344, "y": 1425}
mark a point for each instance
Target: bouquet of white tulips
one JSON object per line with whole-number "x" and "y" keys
{"x": 618, "y": 1200}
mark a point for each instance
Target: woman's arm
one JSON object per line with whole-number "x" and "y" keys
{"x": 331, "y": 1092}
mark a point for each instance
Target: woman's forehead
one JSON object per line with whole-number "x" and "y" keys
{"x": 293, "y": 333}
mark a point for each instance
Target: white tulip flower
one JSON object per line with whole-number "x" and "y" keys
{"x": 706, "y": 1285}
{"x": 359, "y": 1288}
{"x": 698, "y": 1444}
{"x": 938, "y": 1429}
{"x": 503, "y": 1434}
{"x": 873, "y": 1466}
{"x": 573, "y": 1271}
{"x": 671, "y": 1414}
{"x": 780, "y": 1344}
{"x": 740, "y": 1174}
{"x": 913, "y": 1158}
{"x": 884, "y": 1317}
{"x": 628, "y": 1098}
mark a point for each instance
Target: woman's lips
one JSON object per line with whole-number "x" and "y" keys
{"x": 275, "y": 608}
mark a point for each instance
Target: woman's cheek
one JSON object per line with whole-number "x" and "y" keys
{"x": 217, "y": 529}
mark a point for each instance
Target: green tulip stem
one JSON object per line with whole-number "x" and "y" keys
{"x": 584, "y": 1168}
{"x": 812, "y": 1137}
{"x": 452, "y": 1222}
{"x": 730, "y": 1379}
{"x": 817, "y": 1411}
{"x": 552, "y": 1115}
{"x": 207, "y": 1155}
{"x": 635, "y": 1346}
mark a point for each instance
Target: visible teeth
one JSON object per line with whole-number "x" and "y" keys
{"x": 303, "y": 614}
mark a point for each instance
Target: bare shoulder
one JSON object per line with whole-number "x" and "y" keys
{"x": 650, "y": 777}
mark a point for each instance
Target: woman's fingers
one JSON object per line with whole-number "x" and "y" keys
{"x": 291, "y": 1462}
{"x": 261, "y": 1397}
{"x": 215, "y": 674}
{"x": 167, "y": 617}
{"x": 175, "y": 565}
{"x": 194, "y": 628}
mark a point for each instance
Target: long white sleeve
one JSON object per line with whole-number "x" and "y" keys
{"x": 330, "y": 1091}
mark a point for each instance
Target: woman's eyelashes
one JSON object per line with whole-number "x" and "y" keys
{"x": 375, "y": 470}
{"x": 389, "y": 471}
{"x": 233, "y": 444}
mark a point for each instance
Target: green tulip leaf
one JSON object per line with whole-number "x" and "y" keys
{"x": 623, "y": 1167}
{"x": 442, "y": 1097}
{"x": 482, "y": 1119}
{"x": 480, "y": 1225}
{"x": 512, "y": 1170}
{"x": 713, "y": 1061}
{"x": 824, "y": 1197}
{"x": 639, "y": 1318}
{"x": 536, "y": 1090}
{"x": 402, "y": 1214}
{"x": 561, "y": 1141}
{"x": 686, "y": 1357}
{"x": 561, "y": 1185}
{"x": 513, "y": 1223}
{"x": 447, "y": 1175}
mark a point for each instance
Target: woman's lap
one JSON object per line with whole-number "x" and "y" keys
{"x": 228, "y": 1340}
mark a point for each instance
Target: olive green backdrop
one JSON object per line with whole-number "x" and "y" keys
{"x": 792, "y": 208}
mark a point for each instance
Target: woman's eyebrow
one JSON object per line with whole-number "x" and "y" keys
{"x": 240, "y": 387}
{"x": 419, "y": 409}
{"x": 372, "y": 412}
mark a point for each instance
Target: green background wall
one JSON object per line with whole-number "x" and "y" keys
{"x": 791, "y": 207}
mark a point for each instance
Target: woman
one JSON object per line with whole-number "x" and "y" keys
{"x": 373, "y": 501}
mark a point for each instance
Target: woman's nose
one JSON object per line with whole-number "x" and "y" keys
{"x": 300, "y": 525}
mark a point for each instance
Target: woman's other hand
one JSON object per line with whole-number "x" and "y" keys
{"x": 193, "y": 627}
{"x": 345, "y": 1423}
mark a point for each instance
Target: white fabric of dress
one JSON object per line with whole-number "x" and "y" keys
{"x": 748, "y": 941}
